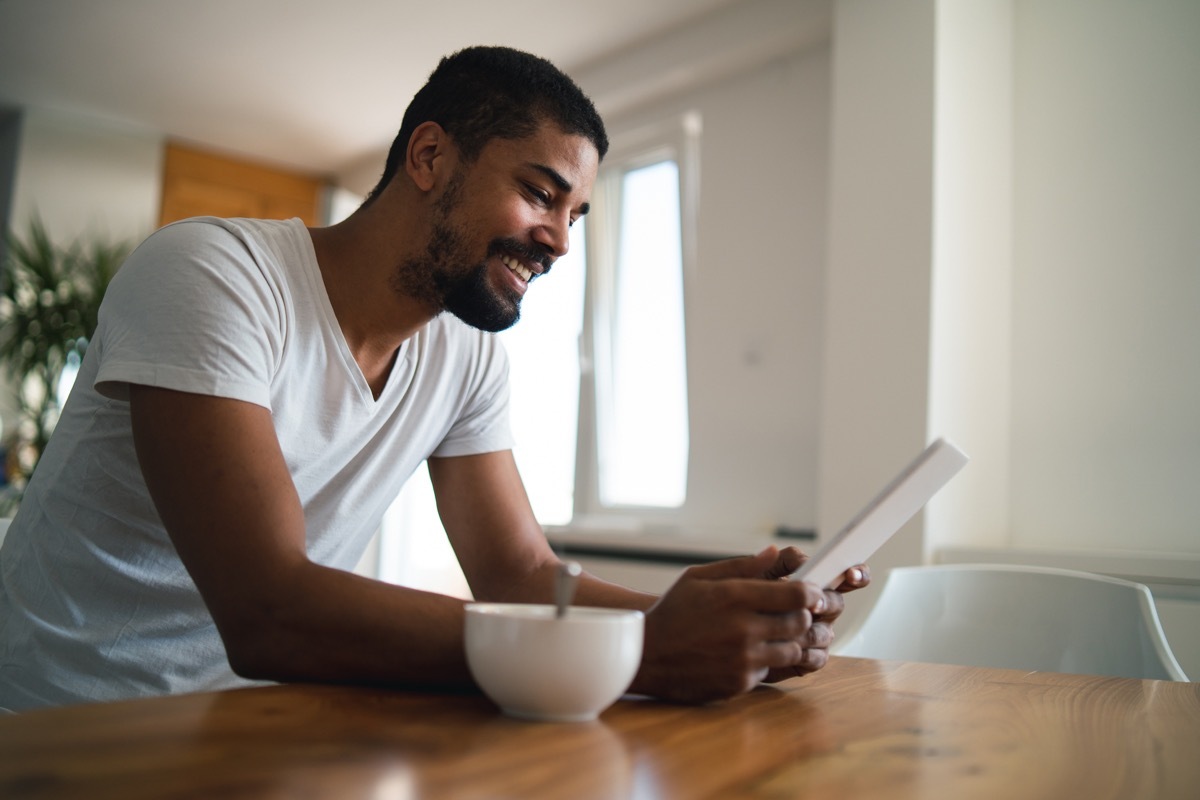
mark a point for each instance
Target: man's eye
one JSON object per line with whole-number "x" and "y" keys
{"x": 542, "y": 197}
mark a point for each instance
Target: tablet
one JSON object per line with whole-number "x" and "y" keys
{"x": 884, "y": 515}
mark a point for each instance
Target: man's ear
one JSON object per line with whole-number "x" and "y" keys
{"x": 427, "y": 155}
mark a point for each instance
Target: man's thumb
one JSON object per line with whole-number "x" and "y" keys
{"x": 756, "y": 566}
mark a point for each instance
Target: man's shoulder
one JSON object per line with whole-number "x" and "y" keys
{"x": 260, "y": 249}
{"x": 243, "y": 228}
{"x": 202, "y": 269}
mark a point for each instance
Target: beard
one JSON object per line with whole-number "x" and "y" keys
{"x": 448, "y": 277}
{"x": 464, "y": 288}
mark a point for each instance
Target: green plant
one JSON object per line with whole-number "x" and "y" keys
{"x": 49, "y": 304}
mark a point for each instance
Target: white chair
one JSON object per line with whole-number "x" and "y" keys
{"x": 1029, "y": 618}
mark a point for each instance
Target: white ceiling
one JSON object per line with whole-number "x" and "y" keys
{"x": 312, "y": 84}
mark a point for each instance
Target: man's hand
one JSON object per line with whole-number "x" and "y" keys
{"x": 724, "y": 627}
{"x": 816, "y": 642}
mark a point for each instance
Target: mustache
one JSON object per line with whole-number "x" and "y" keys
{"x": 524, "y": 252}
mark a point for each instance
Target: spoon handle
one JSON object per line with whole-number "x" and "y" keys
{"x": 565, "y": 581}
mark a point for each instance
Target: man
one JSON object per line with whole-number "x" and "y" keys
{"x": 255, "y": 395}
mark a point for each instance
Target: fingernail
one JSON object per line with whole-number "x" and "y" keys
{"x": 856, "y": 575}
{"x": 820, "y": 604}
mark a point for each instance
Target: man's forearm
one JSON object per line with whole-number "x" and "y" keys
{"x": 596, "y": 592}
{"x": 333, "y": 626}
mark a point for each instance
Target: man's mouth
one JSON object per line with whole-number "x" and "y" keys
{"x": 523, "y": 272}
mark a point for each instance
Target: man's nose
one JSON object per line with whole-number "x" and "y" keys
{"x": 554, "y": 234}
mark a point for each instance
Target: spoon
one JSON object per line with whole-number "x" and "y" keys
{"x": 565, "y": 580}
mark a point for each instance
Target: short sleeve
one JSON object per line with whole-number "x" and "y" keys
{"x": 483, "y": 425}
{"x": 192, "y": 310}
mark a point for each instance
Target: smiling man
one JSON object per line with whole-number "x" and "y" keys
{"x": 258, "y": 392}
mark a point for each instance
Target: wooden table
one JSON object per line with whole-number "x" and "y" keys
{"x": 857, "y": 729}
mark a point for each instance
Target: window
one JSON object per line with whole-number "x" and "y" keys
{"x": 604, "y": 336}
{"x": 633, "y": 443}
{"x": 637, "y": 337}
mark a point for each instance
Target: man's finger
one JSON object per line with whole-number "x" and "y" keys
{"x": 755, "y": 566}
{"x": 835, "y": 604}
{"x": 770, "y": 564}
{"x": 855, "y": 578}
{"x": 788, "y": 561}
{"x": 772, "y": 597}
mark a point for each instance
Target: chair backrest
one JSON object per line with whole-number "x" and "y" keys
{"x": 1030, "y": 618}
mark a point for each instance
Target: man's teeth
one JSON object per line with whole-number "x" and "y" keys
{"x": 516, "y": 266}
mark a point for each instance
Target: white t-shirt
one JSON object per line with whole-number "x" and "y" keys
{"x": 94, "y": 601}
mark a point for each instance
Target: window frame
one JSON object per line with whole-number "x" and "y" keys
{"x": 676, "y": 138}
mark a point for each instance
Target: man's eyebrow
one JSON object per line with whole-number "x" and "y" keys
{"x": 562, "y": 183}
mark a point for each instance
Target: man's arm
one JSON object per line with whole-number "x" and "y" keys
{"x": 499, "y": 543}
{"x": 219, "y": 481}
{"x": 220, "y": 484}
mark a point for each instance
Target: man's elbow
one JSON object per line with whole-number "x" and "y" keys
{"x": 259, "y": 648}
{"x": 252, "y": 657}
{"x": 252, "y": 663}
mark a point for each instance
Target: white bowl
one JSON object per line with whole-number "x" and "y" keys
{"x": 535, "y": 666}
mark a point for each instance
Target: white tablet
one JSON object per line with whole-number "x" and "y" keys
{"x": 884, "y": 515}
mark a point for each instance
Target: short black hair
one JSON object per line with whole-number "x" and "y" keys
{"x": 483, "y": 93}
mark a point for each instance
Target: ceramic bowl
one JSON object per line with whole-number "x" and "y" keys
{"x": 536, "y": 666}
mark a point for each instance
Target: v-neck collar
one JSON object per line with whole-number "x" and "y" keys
{"x": 401, "y": 370}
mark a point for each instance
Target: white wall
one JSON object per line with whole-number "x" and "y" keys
{"x": 875, "y": 375}
{"x": 82, "y": 176}
{"x": 1065, "y": 333}
{"x": 970, "y": 361}
{"x": 1083, "y": 115}
{"x": 1012, "y": 261}
{"x": 754, "y": 316}
{"x": 1106, "y": 323}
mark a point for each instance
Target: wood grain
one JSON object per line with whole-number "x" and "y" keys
{"x": 859, "y": 728}
{"x": 200, "y": 183}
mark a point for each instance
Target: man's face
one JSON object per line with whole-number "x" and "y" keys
{"x": 501, "y": 222}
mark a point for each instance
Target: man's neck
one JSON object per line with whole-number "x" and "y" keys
{"x": 358, "y": 259}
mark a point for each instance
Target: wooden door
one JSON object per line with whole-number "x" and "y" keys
{"x": 199, "y": 183}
